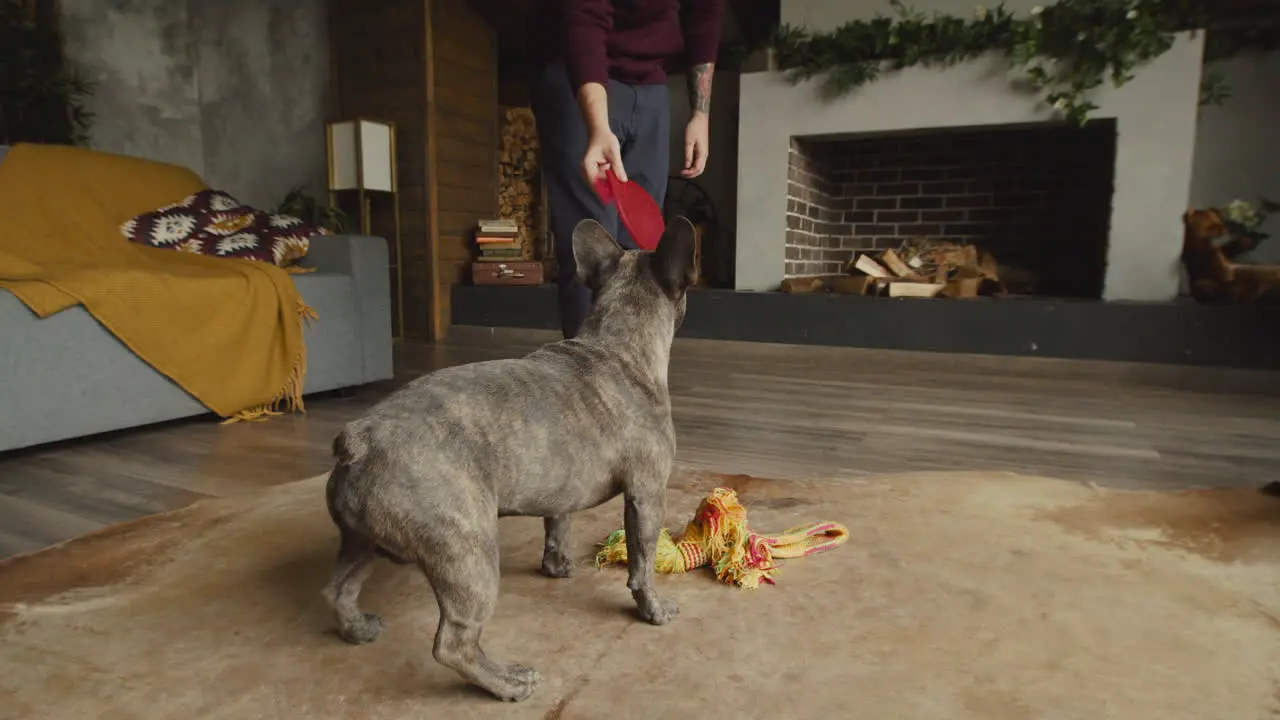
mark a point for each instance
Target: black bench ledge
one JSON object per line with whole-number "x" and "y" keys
{"x": 1180, "y": 332}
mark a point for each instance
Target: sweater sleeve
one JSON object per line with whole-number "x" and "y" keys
{"x": 586, "y": 29}
{"x": 701, "y": 23}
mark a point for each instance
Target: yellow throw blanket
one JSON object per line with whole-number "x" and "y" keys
{"x": 229, "y": 332}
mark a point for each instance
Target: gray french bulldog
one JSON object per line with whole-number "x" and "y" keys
{"x": 424, "y": 475}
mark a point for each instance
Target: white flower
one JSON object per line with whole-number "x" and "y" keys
{"x": 1239, "y": 211}
{"x": 1132, "y": 15}
{"x": 1037, "y": 10}
{"x": 1060, "y": 104}
{"x": 980, "y": 12}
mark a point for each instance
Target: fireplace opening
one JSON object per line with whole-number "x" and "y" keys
{"x": 1036, "y": 197}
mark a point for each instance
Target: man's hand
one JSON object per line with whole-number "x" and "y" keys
{"x": 697, "y": 134}
{"x": 603, "y": 153}
{"x": 697, "y": 145}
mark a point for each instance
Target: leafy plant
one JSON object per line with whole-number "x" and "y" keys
{"x": 1243, "y": 218}
{"x": 303, "y": 206}
{"x": 1213, "y": 87}
{"x": 41, "y": 94}
{"x": 1064, "y": 51}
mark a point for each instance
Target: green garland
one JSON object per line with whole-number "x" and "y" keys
{"x": 1064, "y": 50}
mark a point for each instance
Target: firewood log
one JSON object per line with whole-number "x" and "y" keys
{"x": 803, "y": 285}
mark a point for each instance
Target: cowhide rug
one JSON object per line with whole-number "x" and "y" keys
{"x": 958, "y": 595}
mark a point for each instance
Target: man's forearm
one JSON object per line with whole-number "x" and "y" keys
{"x": 593, "y": 101}
{"x": 699, "y": 81}
{"x": 701, "y": 23}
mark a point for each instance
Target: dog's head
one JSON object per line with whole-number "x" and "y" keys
{"x": 648, "y": 285}
{"x": 1205, "y": 224}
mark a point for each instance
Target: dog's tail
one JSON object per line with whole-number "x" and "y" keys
{"x": 349, "y": 448}
{"x": 351, "y": 445}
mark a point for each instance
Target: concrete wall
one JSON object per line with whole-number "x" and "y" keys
{"x": 1237, "y": 153}
{"x": 237, "y": 90}
{"x": 1236, "y": 145}
{"x": 825, "y": 15}
{"x": 1156, "y": 121}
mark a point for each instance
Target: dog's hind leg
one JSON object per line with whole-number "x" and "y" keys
{"x": 555, "y": 559}
{"x": 463, "y": 572}
{"x": 355, "y": 562}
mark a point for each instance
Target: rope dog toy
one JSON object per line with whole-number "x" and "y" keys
{"x": 718, "y": 536}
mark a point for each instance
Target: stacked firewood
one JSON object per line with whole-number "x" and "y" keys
{"x": 519, "y": 192}
{"x": 918, "y": 269}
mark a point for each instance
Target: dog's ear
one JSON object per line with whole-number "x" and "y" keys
{"x": 673, "y": 260}
{"x": 595, "y": 253}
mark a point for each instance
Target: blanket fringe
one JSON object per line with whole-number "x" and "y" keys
{"x": 291, "y": 395}
{"x": 306, "y": 312}
{"x": 718, "y": 536}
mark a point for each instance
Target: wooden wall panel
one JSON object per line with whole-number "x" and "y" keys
{"x": 430, "y": 66}
{"x": 465, "y": 129}
{"x": 378, "y": 51}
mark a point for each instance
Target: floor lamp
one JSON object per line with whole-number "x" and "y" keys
{"x": 362, "y": 159}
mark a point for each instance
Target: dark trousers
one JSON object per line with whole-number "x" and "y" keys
{"x": 640, "y": 116}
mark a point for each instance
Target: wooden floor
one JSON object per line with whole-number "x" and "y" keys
{"x": 766, "y": 410}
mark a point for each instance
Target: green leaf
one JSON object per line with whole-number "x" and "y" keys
{"x": 1072, "y": 48}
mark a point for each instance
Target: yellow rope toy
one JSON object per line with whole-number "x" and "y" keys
{"x": 718, "y": 536}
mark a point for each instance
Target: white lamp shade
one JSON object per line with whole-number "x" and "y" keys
{"x": 361, "y": 156}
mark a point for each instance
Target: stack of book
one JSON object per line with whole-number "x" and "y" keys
{"x": 499, "y": 241}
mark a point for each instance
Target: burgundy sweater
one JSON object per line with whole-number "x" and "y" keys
{"x": 632, "y": 41}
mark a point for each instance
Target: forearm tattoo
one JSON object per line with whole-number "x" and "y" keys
{"x": 699, "y": 79}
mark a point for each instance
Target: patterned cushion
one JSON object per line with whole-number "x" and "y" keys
{"x": 212, "y": 222}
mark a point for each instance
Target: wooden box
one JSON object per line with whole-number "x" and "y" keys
{"x": 519, "y": 272}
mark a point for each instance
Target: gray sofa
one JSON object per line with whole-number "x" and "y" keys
{"x": 65, "y": 376}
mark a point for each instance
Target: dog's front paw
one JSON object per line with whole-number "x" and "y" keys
{"x": 653, "y": 609}
{"x": 557, "y": 565}
{"x": 666, "y": 611}
{"x": 517, "y": 683}
{"x": 364, "y": 631}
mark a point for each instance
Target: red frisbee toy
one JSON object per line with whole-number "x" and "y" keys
{"x": 637, "y": 209}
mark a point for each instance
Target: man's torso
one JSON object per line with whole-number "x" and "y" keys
{"x": 644, "y": 41}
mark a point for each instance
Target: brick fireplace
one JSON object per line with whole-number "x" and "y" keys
{"x": 961, "y": 152}
{"x": 1037, "y": 197}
